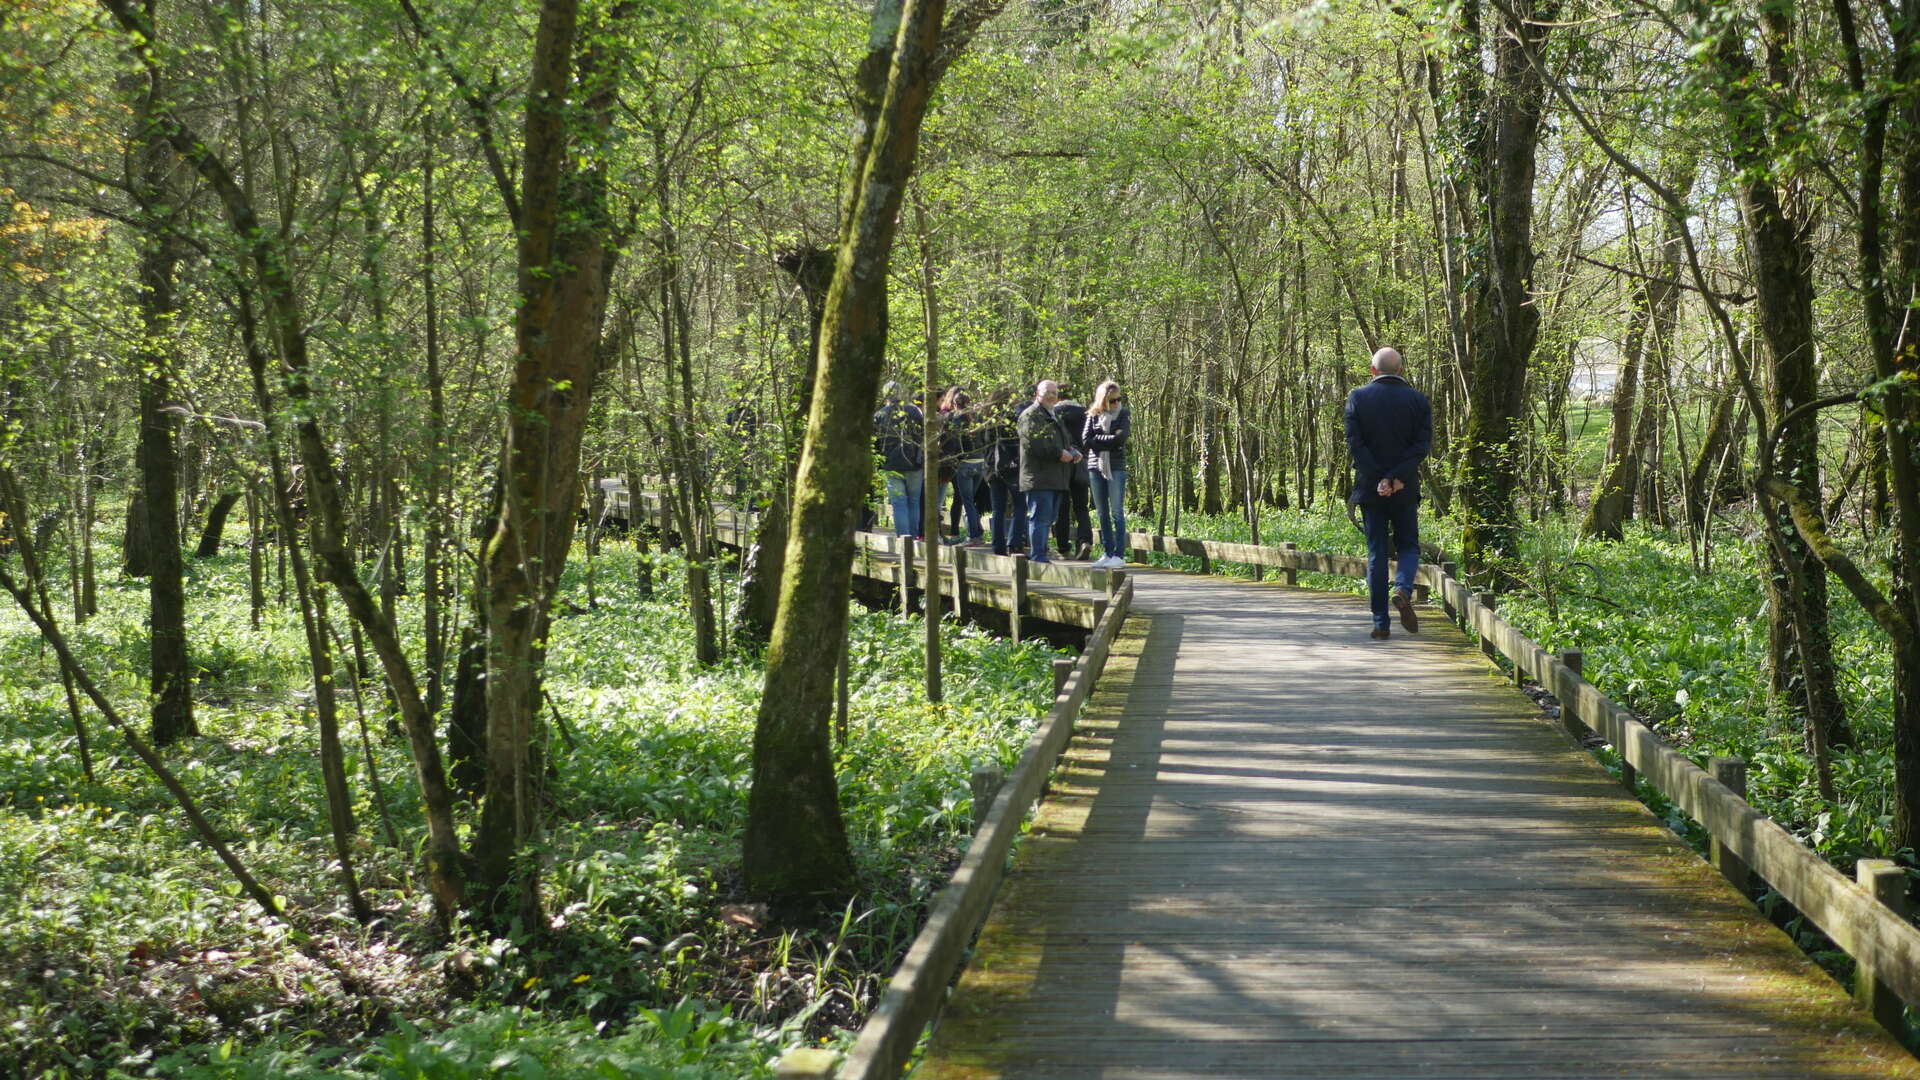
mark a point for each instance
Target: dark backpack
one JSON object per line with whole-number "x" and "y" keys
{"x": 1003, "y": 452}
{"x": 896, "y": 438}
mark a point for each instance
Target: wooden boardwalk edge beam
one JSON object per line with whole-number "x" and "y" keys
{"x": 1874, "y": 934}
{"x": 1878, "y": 937}
{"x": 914, "y": 994}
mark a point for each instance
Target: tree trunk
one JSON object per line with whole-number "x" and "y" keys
{"x": 1503, "y": 138}
{"x": 434, "y": 591}
{"x": 1718, "y": 449}
{"x": 136, "y": 550}
{"x": 326, "y": 511}
{"x": 565, "y": 267}
{"x": 796, "y": 842}
{"x": 1891, "y": 447}
{"x": 1613, "y": 502}
{"x": 216, "y": 525}
{"x": 1800, "y": 642}
{"x": 930, "y": 422}
{"x": 159, "y": 462}
{"x": 761, "y": 567}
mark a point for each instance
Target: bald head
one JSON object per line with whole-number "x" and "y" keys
{"x": 1046, "y": 391}
{"x": 1387, "y": 362}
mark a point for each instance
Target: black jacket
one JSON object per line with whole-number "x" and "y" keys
{"x": 1104, "y": 436}
{"x": 1073, "y": 417}
{"x": 1389, "y": 432}
{"x": 1002, "y": 439}
{"x": 896, "y": 438}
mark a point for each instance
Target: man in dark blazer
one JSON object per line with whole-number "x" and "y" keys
{"x": 1389, "y": 432}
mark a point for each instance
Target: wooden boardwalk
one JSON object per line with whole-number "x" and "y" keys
{"x": 1280, "y": 849}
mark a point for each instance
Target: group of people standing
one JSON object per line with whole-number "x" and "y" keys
{"x": 1036, "y": 465}
{"x": 1031, "y": 466}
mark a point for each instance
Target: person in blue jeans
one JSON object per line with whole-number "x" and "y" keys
{"x": 1009, "y": 505}
{"x": 1046, "y": 461}
{"x": 1389, "y": 432}
{"x": 1105, "y": 436}
{"x": 965, "y": 438}
{"x": 897, "y": 440}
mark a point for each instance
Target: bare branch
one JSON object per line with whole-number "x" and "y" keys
{"x": 477, "y": 108}
{"x": 1806, "y": 520}
{"x": 962, "y": 24}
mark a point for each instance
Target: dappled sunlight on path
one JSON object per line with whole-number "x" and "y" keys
{"x": 1285, "y": 850}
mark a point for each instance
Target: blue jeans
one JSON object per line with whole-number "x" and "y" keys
{"x": 967, "y": 478}
{"x": 1399, "y": 514}
{"x": 1041, "y": 507}
{"x": 1009, "y": 516}
{"x": 1110, "y": 506}
{"x": 903, "y": 491}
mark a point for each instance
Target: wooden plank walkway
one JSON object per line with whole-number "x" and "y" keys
{"x": 1281, "y": 849}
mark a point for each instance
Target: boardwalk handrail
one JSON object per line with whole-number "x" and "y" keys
{"x": 1880, "y": 939}
{"x": 734, "y": 526}
{"x": 914, "y": 994}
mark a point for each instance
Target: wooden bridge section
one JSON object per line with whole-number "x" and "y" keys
{"x": 1281, "y": 849}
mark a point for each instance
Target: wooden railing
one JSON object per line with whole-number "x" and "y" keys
{"x": 1865, "y": 917}
{"x": 882, "y": 556}
{"x": 914, "y": 995}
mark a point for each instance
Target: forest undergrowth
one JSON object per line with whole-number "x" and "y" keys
{"x": 126, "y": 950}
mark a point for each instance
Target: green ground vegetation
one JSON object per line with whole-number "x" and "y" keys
{"x": 125, "y": 950}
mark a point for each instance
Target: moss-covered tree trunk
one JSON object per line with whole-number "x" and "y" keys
{"x": 1499, "y": 128}
{"x": 796, "y": 842}
{"x": 1886, "y": 300}
{"x": 1801, "y": 650}
{"x": 763, "y": 565}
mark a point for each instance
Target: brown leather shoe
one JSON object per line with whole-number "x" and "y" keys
{"x": 1404, "y": 604}
{"x": 1381, "y": 633}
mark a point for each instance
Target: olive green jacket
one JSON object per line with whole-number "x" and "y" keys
{"x": 1041, "y": 441}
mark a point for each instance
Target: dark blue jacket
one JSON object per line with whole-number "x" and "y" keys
{"x": 1389, "y": 431}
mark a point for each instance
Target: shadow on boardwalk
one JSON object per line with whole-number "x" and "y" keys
{"x": 1280, "y": 849}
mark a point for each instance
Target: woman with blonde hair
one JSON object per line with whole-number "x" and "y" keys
{"x": 1105, "y": 436}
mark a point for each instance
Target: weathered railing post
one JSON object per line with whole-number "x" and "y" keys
{"x": 960, "y": 585}
{"x": 1115, "y": 579}
{"x": 1576, "y": 662}
{"x": 1062, "y": 671}
{"x": 1448, "y": 570}
{"x": 1019, "y": 604}
{"x": 1732, "y": 772}
{"x": 985, "y": 782}
{"x": 906, "y": 575}
{"x": 1293, "y": 573}
{"x": 1886, "y": 881}
{"x": 1485, "y": 600}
